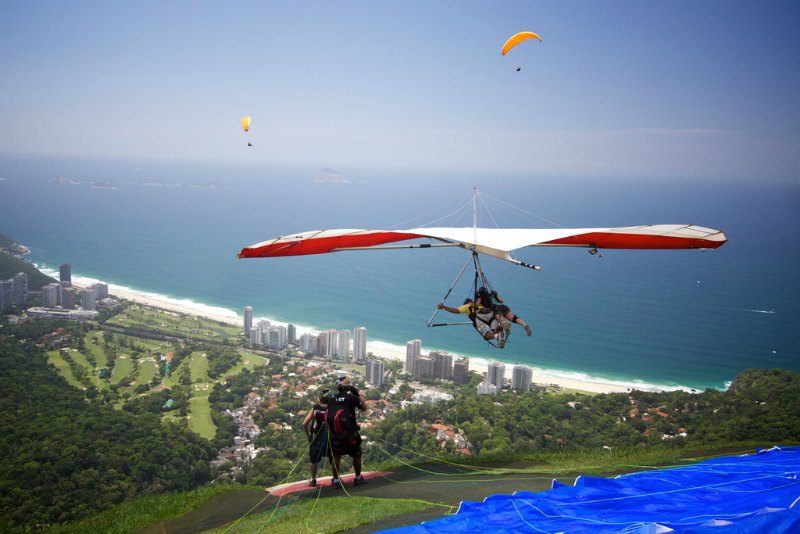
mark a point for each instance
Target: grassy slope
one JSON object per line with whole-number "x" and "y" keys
{"x": 133, "y": 515}
{"x": 334, "y": 514}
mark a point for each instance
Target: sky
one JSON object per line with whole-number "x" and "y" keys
{"x": 625, "y": 89}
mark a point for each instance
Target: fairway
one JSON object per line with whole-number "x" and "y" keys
{"x": 54, "y": 357}
{"x": 147, "y": 370}
{"x": 122, "y": 368}
{"x": 198, "y": 367}
{"x": 137, "y": 316}
{"x": 96, "y": 349}
{"x": 200, "y": 411}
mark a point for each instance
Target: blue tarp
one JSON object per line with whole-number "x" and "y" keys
{"x": 753, "y": 493}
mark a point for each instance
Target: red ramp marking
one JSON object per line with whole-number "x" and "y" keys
{"x": 296, "y": 487}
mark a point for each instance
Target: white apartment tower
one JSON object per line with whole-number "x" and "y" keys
{"x": 90, "y": 298}
{"x": 495, "y": 374}
{"x": 413, "y": 351}
{"x": 50, "y": 295}
{"x": 359, "y": 344}
{"x": 521, "y": 378}
{"x": 343, "y": 345}
{"x": 374, "y": 372}
{"x": 308, "y": 343}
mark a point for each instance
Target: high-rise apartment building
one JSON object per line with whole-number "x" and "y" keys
{"x": 308, "y": 343}
{"x": 495, "y": 374}
{"x": 102, "y": 290}
{"x": 6, "y": 295}
{"x": 90, "y": 298}
{"x": 328, "y": 343}
{"x": 423, "y": 367}
{"x": 413, "y": 351}
{"x": 291, "y": 332}
{"x": 359, "y": 344}
{"x": 521, "y": 378}
{"x": 248, "y": 319}
{"x": 50, "y": 295}
{"x": 461, "y": 371}
{"x": 68, "y": 297}
{"x": 277, "y": 337}
{"x": 20, "y": 288}
{"x": 343, "y": 345}
{"x": 442, "y": 364}
{"x": 374, "y": 372}
{"x": 65, "y": 273}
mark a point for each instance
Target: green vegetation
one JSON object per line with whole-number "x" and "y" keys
{"x": 334, "y": 514}
{"x": 758, "y": 408}
{"x": 11, "y": 265}
{"x": 63, "y": 457}
{"x": 144, "y": 319}
{"x": 138, "y": 513}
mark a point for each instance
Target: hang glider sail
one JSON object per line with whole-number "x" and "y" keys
{"x": 496, "y": 242}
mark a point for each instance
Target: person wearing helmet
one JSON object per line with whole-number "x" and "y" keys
{"x": 343, "y": 429}
{"x": 503, "y": 312}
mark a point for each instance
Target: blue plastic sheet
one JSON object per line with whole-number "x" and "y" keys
{"x": 753, "y": 493}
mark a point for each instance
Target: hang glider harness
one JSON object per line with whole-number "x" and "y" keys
{"x": 479, "y": 281}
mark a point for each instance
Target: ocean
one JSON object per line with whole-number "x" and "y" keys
{"x": 692, "y": 319}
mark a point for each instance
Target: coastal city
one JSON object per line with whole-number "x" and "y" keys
{"x": 63, "y": 300}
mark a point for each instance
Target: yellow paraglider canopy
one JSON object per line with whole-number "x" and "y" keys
{"x": 515, "y": 39}
{"x": 246, "y": 123}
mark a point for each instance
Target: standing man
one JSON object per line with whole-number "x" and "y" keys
{"x": 343, "y": 429}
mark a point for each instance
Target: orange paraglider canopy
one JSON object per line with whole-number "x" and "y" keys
{"x": 517, "y": 38}
{"x": 246, "y": 123}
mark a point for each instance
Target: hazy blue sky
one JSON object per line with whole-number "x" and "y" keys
{"x": 705, "y": 89}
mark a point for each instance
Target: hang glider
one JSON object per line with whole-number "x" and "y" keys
{"x": 496, "y": 242}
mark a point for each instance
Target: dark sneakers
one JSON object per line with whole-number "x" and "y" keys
{"x": 335, "y": 484}
{"x": 359, "y": 480}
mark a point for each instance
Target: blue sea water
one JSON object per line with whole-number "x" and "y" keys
{"x": 687, "y": 318}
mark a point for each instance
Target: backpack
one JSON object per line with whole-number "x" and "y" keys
{"x": 340, "y": 420}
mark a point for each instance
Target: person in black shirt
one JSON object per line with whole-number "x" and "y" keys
{"x": 343, "y": 429}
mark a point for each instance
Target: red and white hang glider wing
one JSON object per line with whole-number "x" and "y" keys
{"x": 497, "y": 242}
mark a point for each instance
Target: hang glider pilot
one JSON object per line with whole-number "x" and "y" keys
{"x": 483, "y": 318}
{"x": 503, "y": 312}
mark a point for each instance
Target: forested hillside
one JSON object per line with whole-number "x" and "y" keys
{"x": 64, "y": 457}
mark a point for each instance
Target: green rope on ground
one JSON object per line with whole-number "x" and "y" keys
{"x": 316, "y": 500}
{"x": 280, "y": 498}
{"x": 466, "y": 466}
{"x": 267, "y": 496}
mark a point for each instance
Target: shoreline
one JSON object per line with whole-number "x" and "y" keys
{"x": 541, "y": 376}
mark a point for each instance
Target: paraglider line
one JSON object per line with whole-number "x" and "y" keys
{"x": 267, "y": 496}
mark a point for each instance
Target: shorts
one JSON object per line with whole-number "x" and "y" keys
{"x": 350, "y": 446}
{"x": 484, "y": 328}
{"x": 319, "y": 446}
{"x": 502, "y": 309}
